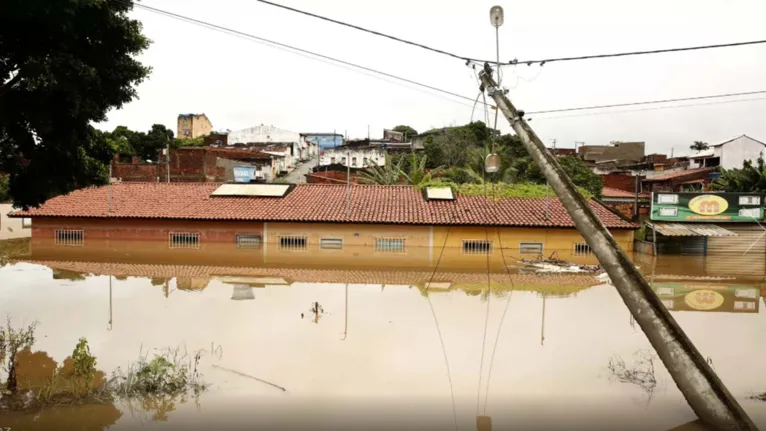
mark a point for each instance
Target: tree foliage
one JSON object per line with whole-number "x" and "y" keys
{"x": 699, "y": 146}
{"x": 750, "y": 178}
{"x": 63, "y": 65}
{"x": 408, "y": 131}
{"x": 4, "y": 188}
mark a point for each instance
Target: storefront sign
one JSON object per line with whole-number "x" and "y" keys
{"x": 702, "y": 207}
{"x": 243, "y": 174}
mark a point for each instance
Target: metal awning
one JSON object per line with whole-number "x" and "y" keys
{"x": 690, "y": 229}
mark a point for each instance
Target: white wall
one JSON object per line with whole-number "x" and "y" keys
{"x": 267, "y": 134}
{"x": 11, "y": 227}
{"x": 734, "y": 153}
{"x": 374, "y": 157}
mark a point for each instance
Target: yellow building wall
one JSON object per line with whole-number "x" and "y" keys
{"x": 197, "y": 125}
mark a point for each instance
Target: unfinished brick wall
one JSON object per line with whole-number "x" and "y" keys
{"x": 619, "y": 181}
{"x": 141, "y": 172}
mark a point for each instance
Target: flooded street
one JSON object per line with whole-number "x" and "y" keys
{"x": 350, "y": 348}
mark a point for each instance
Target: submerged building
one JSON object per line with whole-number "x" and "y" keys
{"x": 320, "y": 223}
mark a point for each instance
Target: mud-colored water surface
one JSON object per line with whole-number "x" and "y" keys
{"x": 319, "y": 347}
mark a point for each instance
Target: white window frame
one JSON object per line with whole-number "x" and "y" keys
{"x": 331, "y": 243}
{"x": 667, "y": 198}
{"x": 26, "y": 223}
{"x": 745, "y": 200}
{"x": 480, "y": 247}
{"x": 69, "y": 237}
{"x": 524, "y": 244}
{"x": 663, "y": 212}
{"x": 183, "y": 240}
{"x": 387, "y": 248}
{"x": 249, "y": 240}
{"x": 293, "y": 242}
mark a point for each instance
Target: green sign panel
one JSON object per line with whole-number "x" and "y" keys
{"x": 707, "y": 207}
{"x": 708, "y": 297}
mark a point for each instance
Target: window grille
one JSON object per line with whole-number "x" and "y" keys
{"x": 70, "y": 237}
{"x": 331, "y": 243}
{"x": 293, "y": 243}
{"x": 184, "y": 239}
{"x": 531, "y": 248}
{"x": 581, "y": 248}
{"x": 475, "y": 246}
{"x": 389, "y": 245}
{"x": 249, "y": 241}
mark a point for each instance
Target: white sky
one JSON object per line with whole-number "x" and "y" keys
{"x": 239, "y": 83}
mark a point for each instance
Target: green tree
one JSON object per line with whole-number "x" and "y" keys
{"x": 189, "y": 142}
{"x": 386, "y": 175}
{"x": 63, "y": 65}
{"x": 418, "y": 174}
{"x": 408, "y": 131}
{"x": 750, "y": 178}
{"x": 4, "y": 194}
{"x": 699, "y": 146}
{"x": 576, "y": 169}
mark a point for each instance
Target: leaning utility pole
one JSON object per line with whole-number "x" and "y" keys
{"x": 701, "y": 387}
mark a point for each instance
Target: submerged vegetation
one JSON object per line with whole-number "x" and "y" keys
{"x": 34, "y": 380}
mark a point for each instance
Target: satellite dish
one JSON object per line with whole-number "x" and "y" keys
{"x": 492, "y": 163}
{"x": 496, "y": 16}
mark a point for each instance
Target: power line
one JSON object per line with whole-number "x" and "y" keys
{"x": 293, "y": 48}
{"x": 651, "y": 102}
{"x": 656, "y": 108}
{"x": 625, "y": 54}
{"x": 376, "y": 33}
{"x": 335, "y": 61}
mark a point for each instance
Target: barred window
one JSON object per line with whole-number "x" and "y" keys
{"x": 249, "y": 241}
{"x": 582, "y": 248}
{"x": 184, "y": 239}
{"x": 331, "y": 243}
{"x": 531, "y": 248}
{"x": 73, "y": 237}
{"x": 293, "y": 243}
{"x": 389, "y": 245}
{"x": 477, "y": 246}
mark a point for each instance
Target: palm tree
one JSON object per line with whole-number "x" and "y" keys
{"x": 699, "y": 146}
{"x": 417, "y": 174}
{"x": 387, "y": 174}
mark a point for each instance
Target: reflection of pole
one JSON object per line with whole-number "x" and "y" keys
{"x": 345, "y": 323}
{"x": 109, "y": 326}
{"x": 702, "y": 388}
{"x": 166, "y": 289}
{"x": 542, "y": 328}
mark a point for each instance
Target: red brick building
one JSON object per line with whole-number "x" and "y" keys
{"x": 624, "y": 202}
{"x": 679, "y": 181}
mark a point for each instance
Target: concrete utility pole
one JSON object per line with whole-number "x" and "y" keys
{"x": 701, "y": 387}
{"x": 638, "y": 190}
{"x": 167, "y": 161}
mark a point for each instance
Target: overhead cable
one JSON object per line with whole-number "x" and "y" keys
{"x": 514, "y": 61}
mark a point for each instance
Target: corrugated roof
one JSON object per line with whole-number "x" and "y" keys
{"x": 679, "y": 174}
{"x": 311, "y": 203}
{"x": 609, "y": 192}
{"x": 691, "y": 229}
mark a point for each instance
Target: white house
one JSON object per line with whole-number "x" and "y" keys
{"x": 729, "y": 154}
{"x": 355, "y": 157}
{"x": 269, "y": 134}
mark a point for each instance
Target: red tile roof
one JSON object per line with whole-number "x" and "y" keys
{"x": 679, "y": 174}
{"x": 609, "y": 192}
{"x": 310, "y": 203}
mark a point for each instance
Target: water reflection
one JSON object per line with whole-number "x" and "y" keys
{"x": 545, "y": 351}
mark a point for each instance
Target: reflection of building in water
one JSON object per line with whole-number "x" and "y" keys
{"x": 242, "y": 293}
{"x": 709, "y": 297}
{"x": 317, "y": 225}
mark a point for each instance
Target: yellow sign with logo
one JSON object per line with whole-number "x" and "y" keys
{"x": 704, "y": 300}
{"x": 708, "y": 205}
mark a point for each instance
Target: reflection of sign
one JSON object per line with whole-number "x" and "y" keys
{"x": 708, "y": 297}
{"x": 708, "y": 205}
{"x": 701, "y": 207}
{"x": 704, "y": 300}
{"x": 243, "y": 174}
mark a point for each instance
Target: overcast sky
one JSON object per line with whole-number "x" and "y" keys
{"x": 239, "y": 83}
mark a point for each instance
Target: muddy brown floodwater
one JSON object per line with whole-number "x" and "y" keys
{"x": 301, "y": 347}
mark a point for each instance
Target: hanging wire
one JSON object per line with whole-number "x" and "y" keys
{"x": 438, "y": 329}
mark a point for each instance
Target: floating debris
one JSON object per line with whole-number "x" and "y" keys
{"x": 554, "y": 265}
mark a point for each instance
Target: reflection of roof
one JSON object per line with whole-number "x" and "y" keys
{"x": 679, "y": 174}
{"x": 609, "y": 192}
{"x": 310, "y": 203}
{"x": 691, "y": 229}
{"x": 310, "y": 275}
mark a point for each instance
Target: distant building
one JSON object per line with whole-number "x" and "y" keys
{"x": 323, "y": 140}
{"x": 680, "y": 181}
{"x": 264, "y": 135}
{"x": 615, "y": 154}
{"x": 729, "y": 153}
{"x": 193, "y": 126}
{"x": 359, "y": 154}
